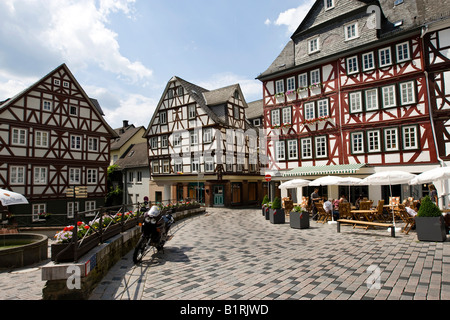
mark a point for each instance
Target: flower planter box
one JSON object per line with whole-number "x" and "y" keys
{"x": 277, "y": 216}
{"x": 131, "y": 223}
{"x": 267, "y": 214}
{"x": 299, "y": 220}
{"x": 111, "y": 231}
{"x": 430, "y": 229}
{"x": 67, "y": 249}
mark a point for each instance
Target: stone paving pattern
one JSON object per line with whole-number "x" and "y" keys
{"x": 235, "y": 254}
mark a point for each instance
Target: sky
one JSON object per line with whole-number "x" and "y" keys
{"x": 123, "y": 52}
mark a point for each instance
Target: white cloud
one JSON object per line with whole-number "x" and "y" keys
{"x": 292, "y": 18}
{"x": 75, "y": 31}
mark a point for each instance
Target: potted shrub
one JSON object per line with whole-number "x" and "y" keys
{"x": 265, "y": 205}
{"x": 430, "y": 225}
{"x": 277, "y": 215}
{"x": 299, "y": 218}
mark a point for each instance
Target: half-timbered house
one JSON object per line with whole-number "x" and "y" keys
{"x": 54, "y": 137}
{"x": 350, "y": 93}
{"x": 202, "y": 147}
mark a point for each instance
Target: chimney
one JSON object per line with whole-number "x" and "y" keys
{"x": 125, "y": 124}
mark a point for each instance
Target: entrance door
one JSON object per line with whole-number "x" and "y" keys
{"x": 218, "y": 196}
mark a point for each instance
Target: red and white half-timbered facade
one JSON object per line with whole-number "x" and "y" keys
{"x": 360, "y": 86}
{"x": 53, "y": 137}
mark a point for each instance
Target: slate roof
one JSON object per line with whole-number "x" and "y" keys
{"x": 255, "y": 109}
{"x": 413, "y": 14}
{"x": 124, "y": 134}
{"x": 137, "y": 156}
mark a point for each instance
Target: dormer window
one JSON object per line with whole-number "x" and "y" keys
{"x": 313, "y": 45}
{"x": 351, "y": 31}
{"x": 329, "y": 4}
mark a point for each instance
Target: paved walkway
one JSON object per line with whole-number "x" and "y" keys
{"x": 238, "y": 255}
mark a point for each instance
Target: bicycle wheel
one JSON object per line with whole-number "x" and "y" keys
{"x": 139, "y": 251}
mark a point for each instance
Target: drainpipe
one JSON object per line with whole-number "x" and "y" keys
{"x": 430, "y": 111}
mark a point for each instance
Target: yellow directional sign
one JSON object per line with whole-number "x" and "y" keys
{"x": 79, "y": 192}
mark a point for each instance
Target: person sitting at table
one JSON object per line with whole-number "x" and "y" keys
{"x": 328, "y": 207}
{"x": 314, "y": 198}
{"x": 408, "y": 209}
{"x": 358, "y": 201}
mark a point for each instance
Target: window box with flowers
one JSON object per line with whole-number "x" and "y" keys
{"x": 315, "y": 120}
{"x": 279, "y": 95}
{"x": 316, "y": 85}
{"x": 302, "y": 89}
{"x": 290, "y": 92}
{"x": 44, "y": 215}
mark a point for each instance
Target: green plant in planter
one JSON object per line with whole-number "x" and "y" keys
{"x": 265, "y": 200}
{"x": 298, "y": 209}
{"x": 428, "y": 208}
{"x": 430, "y": 225}
{"x": 276, "y": 204}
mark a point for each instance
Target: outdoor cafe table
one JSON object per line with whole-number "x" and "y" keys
{"x": 366, "y": 213}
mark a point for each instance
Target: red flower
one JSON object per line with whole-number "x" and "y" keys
{"x": 86, "y": 227}
{"x": 79, "y": 223}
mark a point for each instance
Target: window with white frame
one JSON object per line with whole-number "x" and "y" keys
{"x": 192, "y": 112}
{"x": 355, "y": 102}
{"x": 306, "y": 147}
{"x": 163, "y": 117}
{"x": 130, "y": 176}
{"x": 170, "y": 93}
{"x": 207, "y": 135}
{"x": 385, "y": 58}
{"x": 40, "y": 175}
{"x": 75, "y": 142}
{"x": 180, "y": 91}
{"x": 164, "y": 141}
{"x": 38, "y": 208}
{"x": 292, "y": 149}
{"x": 329, "y": 4}
{"x": 357, "y": 142}
{"x": 351, "y": 31}
{"x": 403, "y": 53}
{"x": 92, "y": 176}
{"x": 279, "y": 86}
{"x": 155, "y": 166}
{"x": 373, "y": 141}
{"x": 368, "y": 61}
{"x": 195, "y": 165}
{"x": 66, "y": 84}
{"x": 194, "y": 137}
{"x": 209, "y": 164}
{"x": 313, "y": 45}
{"x": 321, "y": 146}
{"x": 303, "y": 80}
{"x": 391, "y": 139}
{"x": 56, "y": 82}
{"x": 352, "y": 65}
{"x": 287, "y": 115}
{"x": 93, "y": 144}
{"x": 71, "y": 208}
{"x": 323, "y": 108}
{"x": 275, "y": 116}
{"x": 371, "y": 99}
{"x": 74, "y": 176}
{"x": 166, "y": 166}
{"x": 19, "y": 137}
{"x": 177, "y": 139}
{"x": 90, "y": 205}
{"x": 41, "y": 139}
{"x": 178, "y": 166}
{"x": 291, "y": 84}
{"x": 280, "y": 150}
{"x": 310, "y": 112}
{"x": 47, "y": 105}
{"x": 17, "y": 175}
{"x": 410, "y": 137}
{"x": 315, "y": 76}
{"x": 407, "y": 93}
{"x": 154, "y": 142}
{"x": 389, "y": 96}
{"x": 139, "y": 176}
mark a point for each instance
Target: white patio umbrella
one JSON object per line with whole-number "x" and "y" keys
{"x": 436, "y": 174}
{"x": 294, "y": 184}
{"x": 9, "y": 198}
{"x": 389, "y": 178}
{"x": 326, "y": 181}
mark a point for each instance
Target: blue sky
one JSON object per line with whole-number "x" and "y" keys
{"x": 123, "y": 52}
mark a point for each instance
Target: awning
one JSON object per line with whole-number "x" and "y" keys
{"x": 322, "y": 170}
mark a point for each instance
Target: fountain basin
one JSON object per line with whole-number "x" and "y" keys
{"x": 22, "y": 249}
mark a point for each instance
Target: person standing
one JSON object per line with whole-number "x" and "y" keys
{"x": 314, "y": 198}
{"x": 433, "y": 194}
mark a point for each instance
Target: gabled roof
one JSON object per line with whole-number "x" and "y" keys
{"x": 124, "y": 135}
{"x": 255, "y": 109}
{"x": 136, "y": 157}
{"x": 92, "y": 102}
{"x": 204, "y": 98}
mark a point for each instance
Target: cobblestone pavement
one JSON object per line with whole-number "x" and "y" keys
{"x": 236, "y": 254}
